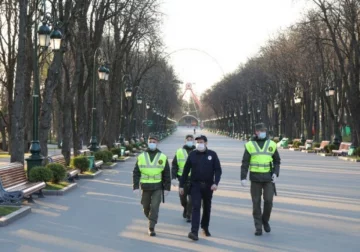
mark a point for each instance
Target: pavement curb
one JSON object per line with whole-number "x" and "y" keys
{"x": 60, "y": 192}
{"x": 325, "y": 154}
{"x": 308, "y": 151}
{"x": 108, "y": 166}
{"x": 90, "y": 176}
{"x": 123, "y": 160}
{"x": 6, "y": 220}
{"x": 348, "y": 159}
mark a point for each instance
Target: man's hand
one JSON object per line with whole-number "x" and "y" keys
{"x": 243, "y": 182}
{"x": 166, "y": 193}
{"x": 175, "y": 182}
{"x": 136, "y": 192}
{"x": 274, "y": 178}
{"x": 213, "y": 187}
{"x": 181, "y": 191}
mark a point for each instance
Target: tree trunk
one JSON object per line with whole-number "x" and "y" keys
{"x": 17, "y": 121}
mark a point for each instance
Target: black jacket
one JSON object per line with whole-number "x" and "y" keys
{"x": 204, "y": 166}
{"x": 255, "y": 176}
{"x": 166, "y": 179}
{"x": 175, "y": 167}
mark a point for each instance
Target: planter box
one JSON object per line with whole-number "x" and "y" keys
{"x": 325, "y": 154}
{"x": 123, "y": 160}
{"x": 132, "y": 154}
{"x": 90, "y": 176}
{"x": 108, "y": 166}
{"x": 6, "y": 220}
{"x": 61, "y": 192}
{"x": 294, "y": 149}
{"x": 308, "y": 151}
{"x": 349, "y": 159}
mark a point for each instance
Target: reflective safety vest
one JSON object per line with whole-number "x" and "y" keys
{"x": 261, "y": 158}
{"x": 181, "y": 156}
{"x": 151, "y": 172}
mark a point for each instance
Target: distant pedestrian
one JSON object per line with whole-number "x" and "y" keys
{"x": 177, "y": 169}
{"x": 205, "y": 169}
{"x": 152, "y": 175}
{"x": 263, "y": 159}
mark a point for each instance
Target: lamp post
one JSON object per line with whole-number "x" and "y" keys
{"x": 103, "y": 73}
{"x": 128, "y": 94}
{"x": 44, "y": 35}
{"x": 330, "y": 91}
{"x": 298, "y": 100}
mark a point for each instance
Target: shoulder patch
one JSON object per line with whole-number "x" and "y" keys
{"x": 160, "y": 162}
{"x": 270, "y": 149}
{"x": 209, "y": 157}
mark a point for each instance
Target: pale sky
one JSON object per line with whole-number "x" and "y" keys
{"x": 229, "y": 30}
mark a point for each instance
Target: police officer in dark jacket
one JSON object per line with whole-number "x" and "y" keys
{"x": 205, "y": 169}
{"x": 263, "y": 159}
{"x": 177, "y": 168}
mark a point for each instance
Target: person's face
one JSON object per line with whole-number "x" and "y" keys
{"x": 189, "y": 139}
{"x": 153, "y": 141}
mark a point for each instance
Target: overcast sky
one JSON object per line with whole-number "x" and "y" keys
{"x": 223, "y": 34}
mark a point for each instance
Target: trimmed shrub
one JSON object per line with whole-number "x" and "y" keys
{"x": 40, "y": 174}
{"x": 107, "y": 156}
{"x": 99, "y": 155}
{"x": 329, "y": 148}
{"x": 58, "y": 171}
{"x": 81, "y": 163}
{"x": 357, "y": 152}
{"x": 316, "y": 145}
{"x": 116, "y": 151}
{"x": 296, "y": 144}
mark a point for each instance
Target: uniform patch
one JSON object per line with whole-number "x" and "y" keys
{"x": 209, "y": 157}
{"x": 270, "y": 149}
{"x": 160, "y": 162}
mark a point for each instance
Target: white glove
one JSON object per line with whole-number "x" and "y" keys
{"x": 166, "y": 193}
{"x": 213, "y": 187}
{"x": 136, "y": 192}
{"x": 181, "y": 191}
{"x": 243, "y": 182}
{"x": 274, "y": 178}
{"x": 175, "y": 182}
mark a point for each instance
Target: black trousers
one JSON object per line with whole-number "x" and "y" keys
{"x": 257, "y": 189}
{"x": 200, "y": 191}
{"x": 185, "y": 200}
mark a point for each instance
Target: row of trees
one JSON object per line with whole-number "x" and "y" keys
{"x": 122, "y": 35}
{"x": 306, "y": 80}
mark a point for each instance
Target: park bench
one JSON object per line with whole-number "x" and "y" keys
{"x": 114, "y": 157}
{"x": 295, "y": 140}
{"x": 87, "y": 153}
{"x": 307, "y": 142}
{"x": 60, "y": 159}
{"x": 343, "y": 149}
{"x": 323, "y": 144}
{"x": 13, "y": 180}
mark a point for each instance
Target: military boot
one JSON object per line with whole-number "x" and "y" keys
{"x": 193, "y": 236}
{"x": 151, "y": 232}
{"x": 267, "y": 227}
{"x": 258, "y": 232}
{"x": 206, "y": 232}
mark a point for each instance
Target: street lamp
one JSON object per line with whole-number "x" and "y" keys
{"x": 297, "y": 100}
{"x": 55, "y": 39}
{"x": 147, "y": 106}
{"x": 101, "y": 72}
{"x": 41, "y": 36}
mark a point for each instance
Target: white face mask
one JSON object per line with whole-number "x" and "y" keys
{"x": 200, "y": 146}
{"x": 152, "y": 146}
{"x": 190, "y": 143}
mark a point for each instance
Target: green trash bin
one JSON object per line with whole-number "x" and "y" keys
{"x": 92, "y": 161}
{"x": 122, "y": 149}
{"x": 284, "y": 142}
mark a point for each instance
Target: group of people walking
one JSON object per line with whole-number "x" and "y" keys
{"x": 196, "y": 171}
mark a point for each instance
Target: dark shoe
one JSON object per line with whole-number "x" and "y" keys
{"x": 206, "y": 232}
{"x": 184, "y": 214}
{"x": 267, "y": 227}
{"x": 188, "y": 220}
{"x": 193, "y": 236}
{"x": 258, "y": 232}
{"x": 151, "y": 232}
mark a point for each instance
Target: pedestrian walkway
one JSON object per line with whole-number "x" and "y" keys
{"x": 317, "y": 209}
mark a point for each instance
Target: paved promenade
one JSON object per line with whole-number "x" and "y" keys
{"x": 317, "y": 209}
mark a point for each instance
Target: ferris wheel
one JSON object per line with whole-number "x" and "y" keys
{"x": 195, "y": 100}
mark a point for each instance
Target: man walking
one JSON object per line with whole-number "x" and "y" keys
{"x": 152, "y": 174}
{"x": 205, "y": 169}
{"x": 263, "y": 159}
{"x": 177, "y": 169}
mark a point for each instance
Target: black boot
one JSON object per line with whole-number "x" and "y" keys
{"x": 206, "y": 232}
{"x": 188, "y": 219}
{"x": 193, "y": 236}
{"x": 267, "y": 227}
{"x": 258, "y": 232}
{"x": 184, "y": 213}
{"x": 151, "y": 232}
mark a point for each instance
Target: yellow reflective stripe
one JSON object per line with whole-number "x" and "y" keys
{"x": 144, "y": 176}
